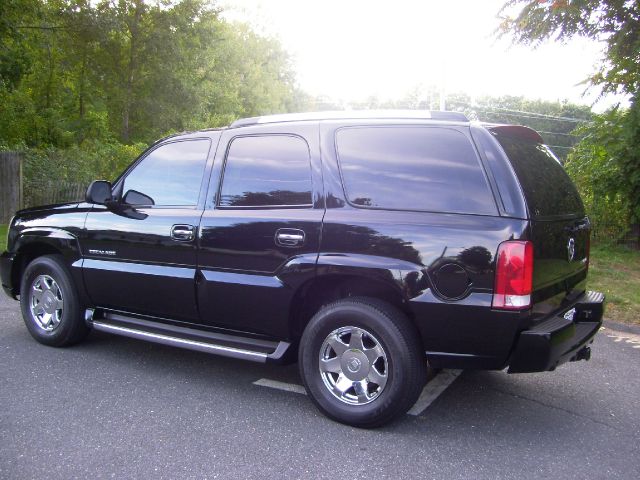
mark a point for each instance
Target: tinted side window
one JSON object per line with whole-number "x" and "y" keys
{"x": 169, "y": 176}
{"x": 413, "y": 168}
{"x": 546, "y": 185}
{"x": 267, "y": 170}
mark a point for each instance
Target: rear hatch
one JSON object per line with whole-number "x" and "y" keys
{"x": 559, "y": 228}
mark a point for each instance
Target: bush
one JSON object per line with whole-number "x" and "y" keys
{"x": 595, "y": 167}
{"x": 56, "y": 174}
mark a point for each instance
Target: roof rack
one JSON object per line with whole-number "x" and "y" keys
{"x": 353, "y": 114}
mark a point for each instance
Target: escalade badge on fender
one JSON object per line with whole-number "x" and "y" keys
{"x": 94, "y": 251}
{"x": 571, "y": 249}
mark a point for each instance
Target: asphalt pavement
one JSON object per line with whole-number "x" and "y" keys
{"x": 114, "y": 407}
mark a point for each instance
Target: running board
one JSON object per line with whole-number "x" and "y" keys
{"x": 233, "y": 346}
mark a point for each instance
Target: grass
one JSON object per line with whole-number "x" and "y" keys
{"x": 615, "y": 271}
{"x": 3, "y": 238}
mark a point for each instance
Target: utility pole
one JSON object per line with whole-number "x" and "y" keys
{"x": 443, "y": 87}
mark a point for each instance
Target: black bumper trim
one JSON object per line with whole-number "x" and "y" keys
{"x": 6, "y": 268}
{"x": 557, "y": 339}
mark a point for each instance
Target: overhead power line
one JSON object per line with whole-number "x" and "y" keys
{"x": 560, "y": 146}
{"x": 563, "y": 134}
{"x": 524, "y": 115}
{"x": 507, "y": 111}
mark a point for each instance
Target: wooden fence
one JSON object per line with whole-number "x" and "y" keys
{"x": 17, "y": 193}
{"x": 10, "y": 185}
{"x": 50, "y": 192}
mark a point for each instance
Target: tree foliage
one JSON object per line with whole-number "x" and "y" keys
{"x": 130, "y": 70}
{"x": 594, "y": 167}
{"x": 555, "y": 121}
{"x": 607, "y": 162}
{"x": 614, "y": 22}
{"x": 86, "y": 84}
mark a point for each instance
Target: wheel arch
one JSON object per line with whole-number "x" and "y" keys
{"x": 325, "y": 289}
{"x": 33, "y": 244}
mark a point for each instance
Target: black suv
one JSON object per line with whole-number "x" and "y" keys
{"x": 365, "y": 244}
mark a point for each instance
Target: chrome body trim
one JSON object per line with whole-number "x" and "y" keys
{"x": 181, "y": 342}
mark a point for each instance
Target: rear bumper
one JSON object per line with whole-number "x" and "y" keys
{"x": 6, "y": 267}
{"x": 560, "y": 338}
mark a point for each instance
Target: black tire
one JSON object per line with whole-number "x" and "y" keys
{"x": 404, "y": 358}
{"x": 65, "y": 325}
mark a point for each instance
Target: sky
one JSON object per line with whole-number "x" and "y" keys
{"x": 353, "y": 49}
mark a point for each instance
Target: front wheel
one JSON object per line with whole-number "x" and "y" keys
{"x": 361, "y": 362}
{"x": 49, "y": 301}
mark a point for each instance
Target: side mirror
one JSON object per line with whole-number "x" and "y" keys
{"x": 99, "y": 192}
{"x": 135, "y": 198}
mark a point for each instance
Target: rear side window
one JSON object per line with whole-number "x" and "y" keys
{"x": 413, "y": 168}
{"x": 267, "y": 171}
{"x": 547, "y": 188}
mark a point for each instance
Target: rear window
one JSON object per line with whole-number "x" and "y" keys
{"x": 547, "y": 188}
{"x": 413, "y": 168}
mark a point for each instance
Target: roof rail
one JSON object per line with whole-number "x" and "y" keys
{"x": 186, "y": 132}
{"x": 353, "y": 114}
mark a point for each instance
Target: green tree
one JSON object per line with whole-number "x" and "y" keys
{"x": 616, "y": 23}
{"x": 84, "y": 84}
{"x": 131, "y": 70}
{"x": 594, "y": 166}
{"x": 555, "y": 121}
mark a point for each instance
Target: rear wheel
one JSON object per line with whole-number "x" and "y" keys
{"x": 49, "y": 301}
{"x": 361, "y": 362}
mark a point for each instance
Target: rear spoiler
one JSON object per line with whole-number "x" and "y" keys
{"x": 516, "y": 131}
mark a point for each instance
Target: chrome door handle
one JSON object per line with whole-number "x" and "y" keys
{"x": 289, "y": 237}
{"x": 183, "y": 233}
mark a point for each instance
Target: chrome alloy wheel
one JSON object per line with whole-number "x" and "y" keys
{"x": 353, "y": 365}
{"x": 46, "y": 303}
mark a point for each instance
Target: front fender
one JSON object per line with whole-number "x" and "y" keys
{"x": 59, "y": 239}
{"x": 37, "y": 241}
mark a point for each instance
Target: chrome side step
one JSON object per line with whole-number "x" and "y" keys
{"x": 186, "y": 338}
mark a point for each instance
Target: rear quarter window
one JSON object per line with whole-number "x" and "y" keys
{"x": 547, "y": 188}
{"x": 413, "y": 168}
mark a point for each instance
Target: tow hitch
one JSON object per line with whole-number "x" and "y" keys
{"x": 583, "y": 354}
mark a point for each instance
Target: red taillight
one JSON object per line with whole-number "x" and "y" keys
{"x": 514, "y": 275}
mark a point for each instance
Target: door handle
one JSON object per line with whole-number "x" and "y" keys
{"x": 289, "y": 237}
{"x": 183, "y": 233}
